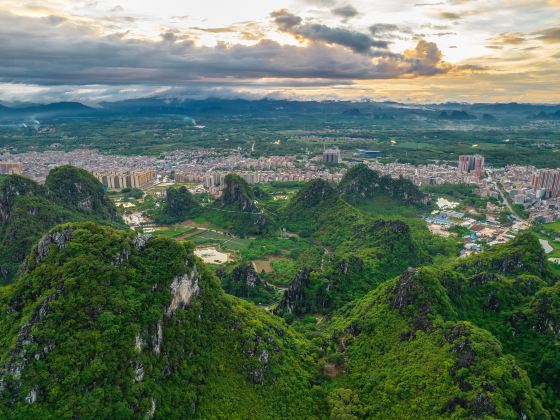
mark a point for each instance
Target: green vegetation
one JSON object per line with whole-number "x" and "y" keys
{"x": 360, "y": 184}
{"x": 462, "y": 193}
{"x": 28, "y": 210}
{"x": 132, "y": 193}
{"x": 237, "y": 210}
{"x": 243, "y": 281}
{"x": 102, "y": 323}
{"x": 178, "y": 206}
{"x": 417, "y": 141}
{"x": 113, "y": 338}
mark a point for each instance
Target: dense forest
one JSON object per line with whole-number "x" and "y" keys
{"x": 28, "y": 210}
{"x": 379, "y": 319}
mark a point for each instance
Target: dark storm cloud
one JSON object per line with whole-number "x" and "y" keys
{"x": 346, "y": 12}
{"x": 35, "y": 51}
{"x": 356, "y": 41}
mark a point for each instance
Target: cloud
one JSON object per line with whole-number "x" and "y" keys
{"x": 427, "y": 59}
{"x": 321, "y": 3}
{"x": 285, "y": 20}
{"x": 549, "y": 35}
{"x": 34, "y": 52}
{"x": 216, "y": 30}
{"x": 347, "y": 12}
{"x": 55, "y": 20}
{"x": 356, "y": 41}
{"x": 449, "y": 15}
{"x": 389, "y": 31}
{"x": 510, "y": 38}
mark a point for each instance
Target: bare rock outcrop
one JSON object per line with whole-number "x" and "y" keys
{"x": 183, "y": 289}
{"x": 59, "y": 238}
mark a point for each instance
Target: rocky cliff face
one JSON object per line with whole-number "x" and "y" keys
{"x": 243, "y": 281}
{"x": 244, "y": 214}
{"x": 184, "y": 289}
{"x": 359, "y": 183}
{"x": 238, "y": 194}
{"x": 295, "y": 296}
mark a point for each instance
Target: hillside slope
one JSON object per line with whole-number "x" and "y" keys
{"x": 28, "y": 210}
{"x": 103, "y": 324}
{"x": 237, "y": 209}
{"x": 360, "y": 184}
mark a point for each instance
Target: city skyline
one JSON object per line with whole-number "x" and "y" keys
{"x": 423, "y": 52}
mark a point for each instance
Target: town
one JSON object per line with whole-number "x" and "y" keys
{"x": 513, "y": 197}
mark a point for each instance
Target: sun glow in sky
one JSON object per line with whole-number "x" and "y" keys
{"x": 423, "y": 51}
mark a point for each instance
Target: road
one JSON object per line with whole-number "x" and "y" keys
{"x": 505, "y": 198}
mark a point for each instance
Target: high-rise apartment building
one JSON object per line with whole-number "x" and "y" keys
{"x": 10, "y": 168}
{"x": 332, "y": 156}
{"x": 121, "y": 180}
{"x": 471, "y": 164}
{"x": 547, "y": 182}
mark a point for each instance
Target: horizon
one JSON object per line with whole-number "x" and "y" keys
{"x": 99, "y": 105}
{"x": 499, "y": 51}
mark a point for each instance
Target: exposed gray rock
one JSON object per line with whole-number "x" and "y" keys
{"x": 31, "y": 397}
{"x": 407, "y": 290}
{"x": 20, "y": 357}
{"x": 296, "y": 292}
{"x": 139, "y": 343}
{"x": 183, "y": 289}
{"x": 121, "y": 257}
{"x": 59, "y": 238}
{"x": 258, "y": 375}
{"x": 140, "y": 241}
{"x": 85, "y": 204}
{"x": 158, "y": 339}
{"x": 138, "y": 372}
{"x": 152, "y": 409}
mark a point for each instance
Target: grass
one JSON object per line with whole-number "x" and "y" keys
{"x": 554, "y": 244}
{"x": 554, "y": 226}
{"x": 262, "y": 265}
{"x": 201, "y": 236}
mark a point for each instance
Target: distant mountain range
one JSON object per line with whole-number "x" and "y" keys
{"x": 153, "y": 107}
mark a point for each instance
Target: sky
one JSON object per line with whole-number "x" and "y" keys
{"x": 418, "y": 51}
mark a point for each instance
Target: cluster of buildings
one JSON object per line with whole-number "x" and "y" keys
{"x": 214, "y": 181}
{"x": 37, "y": 165}
{"x": 546, "y": 183}
{"x": 130, "y": 179}
{"x": 489, "y": 232}
{"x": 471, "y": 164}
{"x": 10, "y": 168}
{"x": 469, "y": 171}
{"x": 536, "y": 190}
